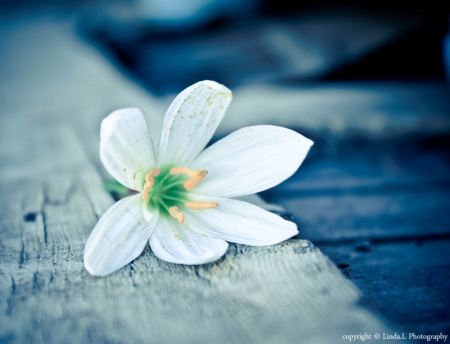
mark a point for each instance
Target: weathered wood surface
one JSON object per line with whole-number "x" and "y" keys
{"x": 339, "y": 109}
{"x": 408, "y": 280}
{"x": 379, "y": 208}
{"x": 54, "y": 92}
{"x": 372, "y": 189}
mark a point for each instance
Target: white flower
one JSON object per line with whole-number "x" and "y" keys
{"x": 185, "y": 206}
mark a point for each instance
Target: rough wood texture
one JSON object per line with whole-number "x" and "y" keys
{"x": 408, "y": 280}
{"x": 372, "y": 189}
{"x": 380, "y": 210}
{"x": 54, "y": 92}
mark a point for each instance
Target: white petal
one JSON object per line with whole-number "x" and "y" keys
{"x": 250, "y": 160}
{"x": 126, "y": 148}
{"x": 191, "y": 121}
{"x": 258, "y": 201}
{"x": 239, "y": 222}
{"x": 175, "y": 242}
{"x": 119, "y": 237}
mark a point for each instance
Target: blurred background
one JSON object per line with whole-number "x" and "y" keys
{"x": 368, "y": 82}
{"x": 170, "y": 44}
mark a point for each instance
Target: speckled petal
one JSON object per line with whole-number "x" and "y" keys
{"x": 250, "y": 160}
{"x": 191, "y": 121}
{"x": 119, "y": 237}
{"x": 126, "y": 148}
{"x": 175, "y": 242}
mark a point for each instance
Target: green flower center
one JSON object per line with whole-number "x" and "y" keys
{"x": 166, "y": 190}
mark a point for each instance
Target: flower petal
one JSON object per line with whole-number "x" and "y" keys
{"x": 119, "y": 237}
{"x": 126, "y": 147}
{"x": 191, "y": 121}
{"x": 177, "y": 243}
{"x": 239, "y": 222}
{"x": 250, "y": 160}
{"x": 258, "y": 201}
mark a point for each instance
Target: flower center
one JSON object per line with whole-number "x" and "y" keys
{"x": 166, "y": 190}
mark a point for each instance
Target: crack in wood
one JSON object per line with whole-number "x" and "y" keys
{"x": 22, "y": 254}
{"x": 44, "y": 226}
{"x": 11, "y": 298}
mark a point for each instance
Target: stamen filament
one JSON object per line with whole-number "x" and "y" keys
{"x": 173, "y": 198}
{"x": 201, "y": 205}
{"x": 168, "y": 186}
{"x": 176, "y": 213}
{"x": 163, "y": 205}
{"x": 193, "y": 181}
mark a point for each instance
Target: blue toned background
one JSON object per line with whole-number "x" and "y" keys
{"x": 368, "y": 83}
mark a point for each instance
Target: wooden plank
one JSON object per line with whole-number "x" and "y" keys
{"x": 356, "y": 163}
{"x": 53, "y": 97}
{"x": 408, "y": 281}
{"x": 375, "y": 189}
{"x": 337, "y": 109}
{"x": 376, "y": 216}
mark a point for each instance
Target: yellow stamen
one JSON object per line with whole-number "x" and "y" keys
{"x": 183, "y": 170}
{"x": 201, "y": 205}
{"x": 149, "y": 181}
{"x": 193, "y": 181}
{"x": 176, "y": 213}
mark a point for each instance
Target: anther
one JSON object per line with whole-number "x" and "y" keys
{"x": 154, "y": 172}
{"x": 183, "y": 170}
{"x": 149, "y": 181}
{"x": 176, "y": 213}
{"x": 201, "y": 205}
{"x": 193, "y": 181}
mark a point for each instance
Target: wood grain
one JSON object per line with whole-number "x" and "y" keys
{"x": 408, "y": 280}
{"x": 371, "y": 189}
